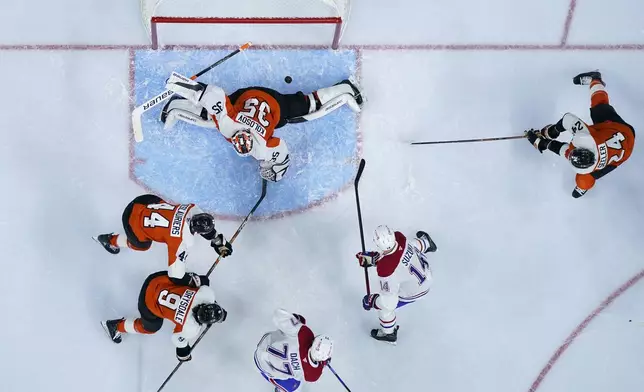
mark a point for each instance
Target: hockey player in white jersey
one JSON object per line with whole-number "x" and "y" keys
{"x": 248, "y": 117}
{"x": 404, "y": 272}
{"x": 292, "y": 353}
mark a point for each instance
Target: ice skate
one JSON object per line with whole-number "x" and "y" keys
{"x": 379, "y": 334}
{"x": 110, "y": 328}
{"x": 432, "y": 245}
{"x": 585, "y": 78}
{"x": 106, "y": 241}
{"x": 357, "y": 93}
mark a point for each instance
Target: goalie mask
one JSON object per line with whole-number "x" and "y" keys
{"x": 242, "y": 141}
{"x": 582, "y": 158}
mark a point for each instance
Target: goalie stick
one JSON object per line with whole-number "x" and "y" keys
{"x": 232, "y": 239}
{"x": 137, "y": 126}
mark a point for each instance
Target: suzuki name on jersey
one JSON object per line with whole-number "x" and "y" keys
{"x": 184, "y": 303}
{"x": 251, "y": 123}
{"x": 409, "y": 252}
{"x": 177, "y": 220}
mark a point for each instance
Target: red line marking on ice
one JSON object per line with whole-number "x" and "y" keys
{"x": 568, "y": 23}
{"x": 420, "y": 47}
{"x": 570, "y": 339}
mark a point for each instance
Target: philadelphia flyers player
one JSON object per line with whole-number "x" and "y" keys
{"x": 149, "y": 218}
{"x": 189, "y": 307}
{"x": 248, "y": 117}
{"x": 595, "y": 150}
{"x": 292, "y": 353}
{"x": 404, "y": 273}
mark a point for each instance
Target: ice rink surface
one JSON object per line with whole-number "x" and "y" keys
{"x": 533, "y": 290}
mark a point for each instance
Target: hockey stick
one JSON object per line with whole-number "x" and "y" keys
{"x": 338, "y": 377}
{"x": 355, "y": 184}
{"x": 252, "y": 211}
{"x": 137, "y": 126}
{"x": 471, "y": 140}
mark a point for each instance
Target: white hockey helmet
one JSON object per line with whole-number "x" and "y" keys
{"x": 384, "y": 239}
{"x": 321, "y": 349}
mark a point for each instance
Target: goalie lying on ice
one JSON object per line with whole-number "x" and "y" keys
{"x": 248, "y": 117}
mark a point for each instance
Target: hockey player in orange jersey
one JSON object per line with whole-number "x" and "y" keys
{"x": 148, "y": 218}
{"x": 189, "y": 307}
{"x": 248, "y": 117}
{"x": 595, "y": 150}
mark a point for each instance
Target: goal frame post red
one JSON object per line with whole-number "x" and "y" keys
{"x": 156, "y": 20}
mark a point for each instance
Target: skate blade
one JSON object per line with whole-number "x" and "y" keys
{"x": 117, "y": 339}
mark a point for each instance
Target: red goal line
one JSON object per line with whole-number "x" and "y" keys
{"x": 251, "y": 20}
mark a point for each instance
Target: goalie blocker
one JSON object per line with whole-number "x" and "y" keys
{"x": 248, "y": 117}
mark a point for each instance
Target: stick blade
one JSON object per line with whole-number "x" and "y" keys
{"x": 137, "y": 126}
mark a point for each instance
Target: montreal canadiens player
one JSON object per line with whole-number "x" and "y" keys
{"x": 404, "y": 273}
{"x": 149, "y": 219}
{"x": 595, "y": 150}
{"x": 248, "y": 117}
{"x": 189, "y": 307}
{"x": 292, "y": 353}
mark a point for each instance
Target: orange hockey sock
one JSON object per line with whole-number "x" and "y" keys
{"x": 598, "y": 94}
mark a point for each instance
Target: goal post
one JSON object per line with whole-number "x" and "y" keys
{"x": 253, "y": 15}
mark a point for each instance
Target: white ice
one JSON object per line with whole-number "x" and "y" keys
{"x": 520, "y": 263}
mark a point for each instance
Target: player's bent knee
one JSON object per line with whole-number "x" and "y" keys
{"x": 152, "y": 326}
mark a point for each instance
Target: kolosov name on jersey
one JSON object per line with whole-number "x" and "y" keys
{"x": 254, "y": 125}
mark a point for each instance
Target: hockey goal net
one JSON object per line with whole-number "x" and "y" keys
{"x": 222, "y": 22}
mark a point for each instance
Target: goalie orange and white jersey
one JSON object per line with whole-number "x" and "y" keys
{"x": 253, "y": 109}
{"x": 166, "y": 223}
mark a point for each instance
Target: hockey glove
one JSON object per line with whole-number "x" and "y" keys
{"x": 197, "y": 281}
{"x": 535, "y": 138}
{"x": 368, "y": 259}
{"x": 221, "y": 245}
{"x": 274, "y": 172}
{"x": 184, "y": 353}
{"x": 369, "y": 301}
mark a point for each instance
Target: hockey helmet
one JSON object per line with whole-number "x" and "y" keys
{"x": 384, "y": 239}
{"x": 202, "y": 223}
{"x": 209, "y": 313}
{"x": 582, "y": 158}
{"x": 321, "y": 349}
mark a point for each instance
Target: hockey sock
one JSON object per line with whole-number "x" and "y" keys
{"x": 598, "y": 94}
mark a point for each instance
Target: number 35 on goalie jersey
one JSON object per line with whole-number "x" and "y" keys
{"x": 166, "y": 223}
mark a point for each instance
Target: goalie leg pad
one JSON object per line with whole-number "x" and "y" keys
{"x": 182, "y": 109}
{"x": 320, "y": 97}
{"x": 185, "y": 87}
